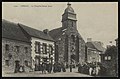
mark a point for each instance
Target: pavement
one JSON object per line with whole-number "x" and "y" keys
{"x": 74, "y": 73}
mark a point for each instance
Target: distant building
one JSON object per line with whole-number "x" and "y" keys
{"x": 70, "y": 46}
{"x": 94, "y": 49}
{"x": 28, "y": 46}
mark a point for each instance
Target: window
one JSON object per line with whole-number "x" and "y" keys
{"x": 45, "y": 59}
{"x": 37, "y": 60}
{"x": 72, "y": 38}
{"x": 17, "y": 48}
{"x": 50, "y": 49}
{"x": 37, "y": 47}
{"x": 7, "y": 62}
{"x": 105, "y": 57}
{"x": 44, "y": 48}
{"x": 26, "y": 50}
{"x": 109, "y": 57}
{"x": 7, "y": 47}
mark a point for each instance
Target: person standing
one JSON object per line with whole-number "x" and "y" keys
{"x": 97, "y": 70}
{"x": 43, "y": 68}
{"x": 70, "y": 67}
{"x": 49, "y": 68}
{"x": 90, "y": 71}
{"x": 54, "y": 68}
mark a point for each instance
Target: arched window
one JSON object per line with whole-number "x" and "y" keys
{"x": 73, "y": 38}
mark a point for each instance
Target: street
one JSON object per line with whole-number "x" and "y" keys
{"x": 39, "y": 74}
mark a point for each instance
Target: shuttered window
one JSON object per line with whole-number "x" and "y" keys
{"x": 37, "y": 47}
{"x": 50, "y": 49}
{"x": 44, "y": 48}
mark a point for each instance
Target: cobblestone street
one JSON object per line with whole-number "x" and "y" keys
{"x": 39, "y": 74}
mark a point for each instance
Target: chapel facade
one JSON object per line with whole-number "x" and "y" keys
{"x": 69, "y": 45}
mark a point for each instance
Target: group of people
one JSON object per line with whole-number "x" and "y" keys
{"x": 48, "y": 68}
{"x": 58, "y": 67}
{"x": 93, "y": 69}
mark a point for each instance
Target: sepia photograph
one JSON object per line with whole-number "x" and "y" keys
{"x": 59, "y": 39}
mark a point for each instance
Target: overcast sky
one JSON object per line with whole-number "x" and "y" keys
{"x": 98, "y": 21}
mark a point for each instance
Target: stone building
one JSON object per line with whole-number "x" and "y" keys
{"x": 24, "y": 45}
{"x": 70, "y": 46}
{"x": 15, "y": 47}
{"x": 94, "y": 50}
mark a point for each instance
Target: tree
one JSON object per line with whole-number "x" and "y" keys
{"x": 113, "y": 62}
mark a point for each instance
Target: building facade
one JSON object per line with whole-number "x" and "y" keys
{"x": 42, "y": 46}
{"x": 25, "y": 46}
{"x": 94, "y": 49}
{"x": 16, "y": 48}
{"x": 70, "y": 46}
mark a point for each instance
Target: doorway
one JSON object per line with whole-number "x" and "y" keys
{"x": 17, "y": 66}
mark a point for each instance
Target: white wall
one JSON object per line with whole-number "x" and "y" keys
{"x": 33, "y": 39}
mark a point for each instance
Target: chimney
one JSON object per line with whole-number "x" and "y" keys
{"x": 89, "y": 39}
{"x": 46, "y": 31}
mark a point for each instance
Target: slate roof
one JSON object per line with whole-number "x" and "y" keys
{"x": 95, "y": 45}
{"x": 56, "y": 33}
{"x": 11, "y": 30}
{"x": 36, "y": 33}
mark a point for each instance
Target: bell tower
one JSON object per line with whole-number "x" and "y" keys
{"x": 69, "y": 17}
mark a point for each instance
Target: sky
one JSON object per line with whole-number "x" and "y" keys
{"x": 96, "y": 20}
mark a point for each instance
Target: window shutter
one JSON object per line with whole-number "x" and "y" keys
{"x": 39, "y": 47}
{"x": 35, "y": 46}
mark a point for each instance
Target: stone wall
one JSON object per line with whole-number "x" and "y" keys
{"x": 12, "y": 55}
{"x": 81, "y": 50}
{"x": 62, "y": 45}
